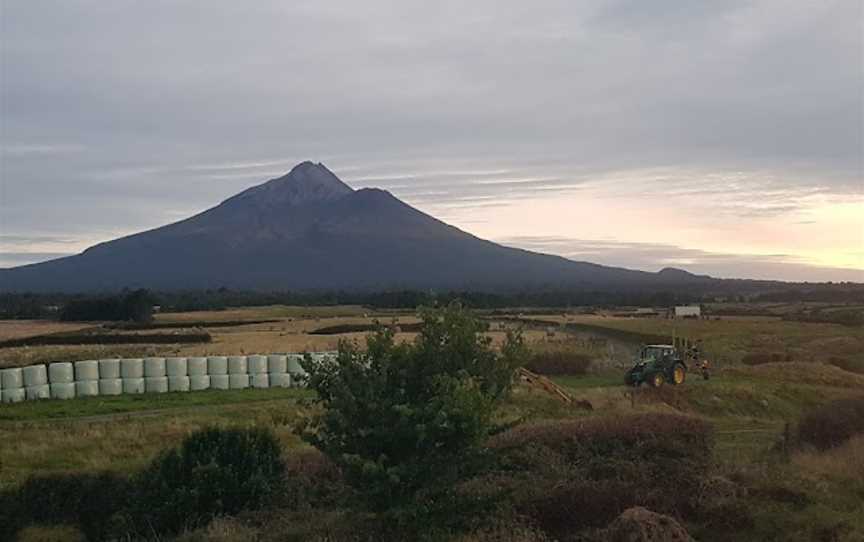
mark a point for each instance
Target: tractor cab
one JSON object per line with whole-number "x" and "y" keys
{"x": 656, "y": 365}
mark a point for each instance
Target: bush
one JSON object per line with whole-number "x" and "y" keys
{"x": 91, "y": 502}
{"x": 574, "y": 475}
{"x": 214, "y": 472}
{"x": 403, "y": 421}
{"x": 559, "y": 361}
{"x": 760, "y": 358}
{"x": 832, "y": 424}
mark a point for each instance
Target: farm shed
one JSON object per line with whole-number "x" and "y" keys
{"x": 688, "y": 311}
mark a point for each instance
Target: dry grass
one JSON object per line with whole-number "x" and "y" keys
{"x": 729, "y": 339}
{"x": 19, "y": 329}
{"x": 803, "y": 373}
{"x": 268, "y": 312}
{"x": 30, "y": 355}
{"x": 50, "y": 534}
{"x": 843, "y": 462}
{"x": 126, "y": 442}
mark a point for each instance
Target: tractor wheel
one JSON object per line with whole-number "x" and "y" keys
{"x": 630, "y": 379}
{"x": 657, "y": 380}
{"x": 679, "y": 374}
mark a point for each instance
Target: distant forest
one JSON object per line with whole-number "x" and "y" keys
{"x": 133, "y": 305}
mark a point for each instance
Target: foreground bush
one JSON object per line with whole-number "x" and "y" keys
{"x": 214, "y": 472}
{"x": 832, "y": 424}
{"x": 92, "y": 502}
{"x": 403, "y": 421}
{"x": 574, "y": 475}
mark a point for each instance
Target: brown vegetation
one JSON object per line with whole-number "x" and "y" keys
{"x": 833, "y": 424}
{"x": 580, "y": 474}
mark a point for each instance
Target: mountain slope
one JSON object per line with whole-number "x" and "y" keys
{"x": 309, "y": 230}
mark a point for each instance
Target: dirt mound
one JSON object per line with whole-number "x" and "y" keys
{"x": 639, "y": 524}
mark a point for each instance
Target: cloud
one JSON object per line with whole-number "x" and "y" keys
{"x": 656, "y": 256}
{"x": 119, "y": 117}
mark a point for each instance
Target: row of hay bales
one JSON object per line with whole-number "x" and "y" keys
{"x": 66, "y": 380}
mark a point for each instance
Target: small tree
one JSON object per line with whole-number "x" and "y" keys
{"x": 404, "y": 419}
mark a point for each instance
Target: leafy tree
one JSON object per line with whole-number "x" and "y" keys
{"x": 403, "y": 420}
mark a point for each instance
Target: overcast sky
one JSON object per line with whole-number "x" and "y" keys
{"x": 723, "y": 137}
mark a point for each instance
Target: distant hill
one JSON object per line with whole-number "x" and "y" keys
{"x": 309, "y": 230}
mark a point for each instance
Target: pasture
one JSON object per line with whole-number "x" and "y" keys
{"x": 790, "y": 493}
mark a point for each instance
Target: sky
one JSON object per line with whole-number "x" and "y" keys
{"x": 721, "y": 137}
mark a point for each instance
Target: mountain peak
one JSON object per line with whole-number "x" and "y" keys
{"x": 307, "y": 182}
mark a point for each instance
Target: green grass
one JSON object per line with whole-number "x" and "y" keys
{"x": 589, "y": 381}
{"x": 748, "y": 407}
{"x": 125, "y": 404}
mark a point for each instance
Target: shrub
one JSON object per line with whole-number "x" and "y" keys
{"x": 214, "y": 472}
{"x": 91, "y": 502}
{"x": 832, "y": 424}
{"x": 403, "y": 421}
{"x": 559, "y": 361}
{"x": 579, "y": 474}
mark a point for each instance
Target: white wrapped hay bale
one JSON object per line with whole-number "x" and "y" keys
{"x": 257, "y": 364}
{"x": 154, "y": 367}
{"x": 87, "y": 370}
{"x": 238, "y": 381}
{"x": 110, "y": 386}
{"x": 13, "y": 395}
{"x": 156, "y": 384}
{"x": 132, "y": 368}
{"x": 217, "y": 365}
{"x": 35, "y": 393}
{"x": 259, "y": 380}
{"x": 61, "y": 373}
{"x": 199, "y": 382}
{"x": 280, "y": 380}
{"x": 178, "y": 383}
{"x": 87, "y": 388}
{"x": 298, "y": 374}
{"x": 133, "y": 385}
{"x": 62, "y": 390}
{"x": 294, "y": 366}
{"x": 176, "y": 367}
{"x": 277, "y": 363}
{"x": 196, "y": 366}
{"x": 237, "y": 365}
{"x": 12, "y": 379}
{"x": 35, "y": 375}
{"x": 109, "y": 369}
{"x": 220, "y": 382}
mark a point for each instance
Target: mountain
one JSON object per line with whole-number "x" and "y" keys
{"x": 309, "y": 230}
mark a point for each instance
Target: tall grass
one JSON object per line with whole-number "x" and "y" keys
{"x": 833, "y": 424}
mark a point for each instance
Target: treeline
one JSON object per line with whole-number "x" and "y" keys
{"x": 133, "y": 305}
{"x": 136, "y": 306}
{"x": 842, "y": 292}
{"x": 125, "y": 306}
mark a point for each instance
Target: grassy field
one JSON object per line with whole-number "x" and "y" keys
{"x": 802, "y": 495}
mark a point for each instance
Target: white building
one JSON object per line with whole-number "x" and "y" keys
{"x": 688, "y": 311}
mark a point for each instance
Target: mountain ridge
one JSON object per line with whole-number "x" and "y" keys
{"x": 309, "y": 230}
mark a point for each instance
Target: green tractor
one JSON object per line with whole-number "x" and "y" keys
{"x": 657, "y": 364}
